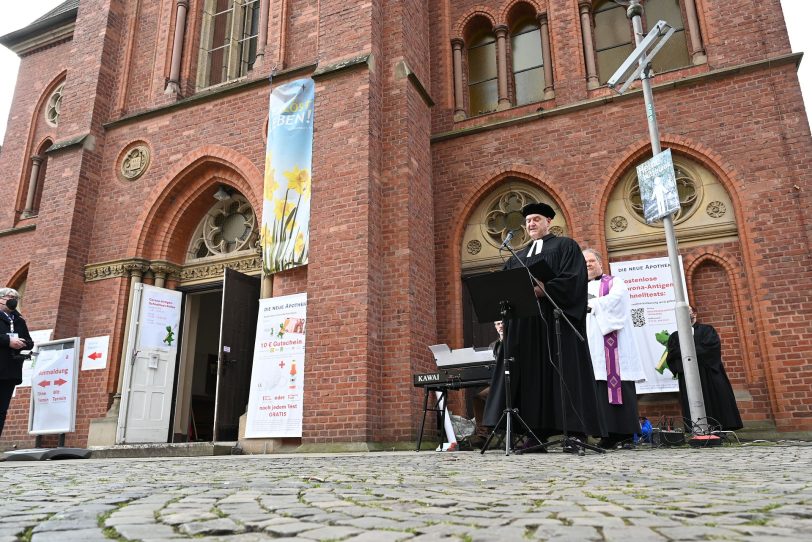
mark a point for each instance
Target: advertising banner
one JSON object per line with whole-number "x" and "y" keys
{"x": 651, "y": 288}
{"x": 275, "y": 400}
{"x": 288, "y": 157}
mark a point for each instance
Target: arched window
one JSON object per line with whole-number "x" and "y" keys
{"x": 614, "y": 40}
{"x": 705, "y": 214}
{"x": 228, "y": 40}
{"x": 527, "y": 61}
{"x": 674, "y": 53}
{"x": 483, "y": 92}
{"x": 614, "y": 36}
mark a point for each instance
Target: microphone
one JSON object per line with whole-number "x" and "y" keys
{"x": 508, "y": 238}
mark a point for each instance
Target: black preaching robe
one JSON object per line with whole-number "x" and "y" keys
{"x": 720, "y": 403}
{"x": 531, "y": 341}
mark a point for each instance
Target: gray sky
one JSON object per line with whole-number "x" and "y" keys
{"x": 17, "y": 14}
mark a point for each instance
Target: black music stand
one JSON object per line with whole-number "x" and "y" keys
{"x": 500, "y": 296}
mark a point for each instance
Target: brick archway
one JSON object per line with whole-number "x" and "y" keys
{"x": 185, "y": 194}
{"x": 461, "y": 213}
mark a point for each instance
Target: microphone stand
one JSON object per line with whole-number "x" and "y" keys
{"x": 567, "y": 442}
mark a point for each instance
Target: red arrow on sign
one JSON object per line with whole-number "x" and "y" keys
{"x": 95, "y": 355}
{"x": 59, "y": 382}
{"x": 44, "y": 383}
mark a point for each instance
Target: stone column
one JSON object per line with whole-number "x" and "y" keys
{"x": 173, "y": 86}
{"x": 262, "y": 38}
{"x": 161, "y": 271}
{"x": 697, "y": 50}
{"x": 501, "y": 67}
{"x": 28, "y": 211}
{"x": 546, "y": 55}
{"x": 459, "y": 103}
{"x": 584, "y": 9}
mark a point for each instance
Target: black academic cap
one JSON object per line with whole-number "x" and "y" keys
{"x": 538, "y": 209}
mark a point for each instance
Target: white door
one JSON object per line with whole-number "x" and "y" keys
{"x": 152, "y": 345}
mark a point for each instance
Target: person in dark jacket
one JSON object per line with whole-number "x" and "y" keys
{"x": 14, "y": 337}
{"x": 720, "y": 402}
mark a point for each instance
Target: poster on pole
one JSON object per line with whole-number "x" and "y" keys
{"x": 658, "y": 187}
{"x": 94, "y": 356}
{"x": 53, "y": 387}
{"x": 276, "y": 397}
{"x": 651, "y": 289}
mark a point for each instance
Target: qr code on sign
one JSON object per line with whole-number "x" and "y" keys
{"x": 639, "y": 317}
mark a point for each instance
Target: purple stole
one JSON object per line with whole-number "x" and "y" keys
{"x": 613, "y": 381}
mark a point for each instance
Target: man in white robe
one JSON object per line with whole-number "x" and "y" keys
{"x": 615, "y": 358}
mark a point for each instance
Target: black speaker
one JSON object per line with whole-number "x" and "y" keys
{"x": 672, "y": 438}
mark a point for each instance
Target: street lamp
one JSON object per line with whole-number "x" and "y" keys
{"x": 646, "y": 47}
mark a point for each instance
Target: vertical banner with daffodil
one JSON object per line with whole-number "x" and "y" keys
{"x": 288, "y": 157}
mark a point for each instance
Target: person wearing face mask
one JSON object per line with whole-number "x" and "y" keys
{"x": 14, "y": 337}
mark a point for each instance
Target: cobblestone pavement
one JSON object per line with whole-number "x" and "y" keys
{"x": 730, "y": 493}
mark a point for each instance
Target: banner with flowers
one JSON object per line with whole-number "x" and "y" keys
{"x": 288, "y": 158}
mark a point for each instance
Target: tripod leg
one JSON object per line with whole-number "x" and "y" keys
{"x": 493, "y": 433}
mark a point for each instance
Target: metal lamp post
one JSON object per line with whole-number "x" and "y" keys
{"x": 693, "y": 386}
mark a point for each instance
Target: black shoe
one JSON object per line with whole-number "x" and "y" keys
{"x": 607, "y": 443}
{"x": 531, "y": 446}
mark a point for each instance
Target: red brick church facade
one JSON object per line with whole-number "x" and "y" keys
{"x": 434, "y": 120}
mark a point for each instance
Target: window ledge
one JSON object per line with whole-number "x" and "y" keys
{"x": 18, "y": 229}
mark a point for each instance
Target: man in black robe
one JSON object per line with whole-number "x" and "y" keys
{"x": 531, "y": 341}
{"x": 720, "y": 403}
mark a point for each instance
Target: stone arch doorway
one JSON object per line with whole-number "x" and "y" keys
{"x": 219, "y": 319}
{"x": 497, "y": 214}
{"x": 200, "y": 240}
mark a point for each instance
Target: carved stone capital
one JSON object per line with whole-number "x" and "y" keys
{"x": 115, "y": 269}
{"x": 164, "y": 268}
{"x": 457, "y": 43}
{"x": 500, "y": 30}
{"x": 209, "y": 271}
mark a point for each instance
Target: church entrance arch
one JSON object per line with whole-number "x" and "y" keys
{"x": 217, "y": 280}
{"x": 496, "y": 215}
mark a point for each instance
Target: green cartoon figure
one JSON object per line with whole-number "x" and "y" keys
{"x": 281, "y": 332}
{"x": 662, "y": 338}
{"x": 170, "y": 336}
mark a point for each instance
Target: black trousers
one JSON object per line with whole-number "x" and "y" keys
{"x": 6, "y": 390}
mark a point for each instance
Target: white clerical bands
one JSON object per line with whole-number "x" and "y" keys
{"x": 536, "y": 248}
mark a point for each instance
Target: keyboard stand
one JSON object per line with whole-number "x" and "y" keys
{"x": 443, "y": 389}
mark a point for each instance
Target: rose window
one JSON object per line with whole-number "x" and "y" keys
{"x": 229, "y": 226}
{"x": 505, "y": 214}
